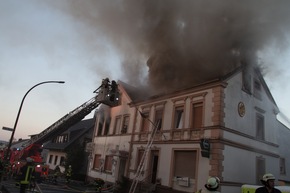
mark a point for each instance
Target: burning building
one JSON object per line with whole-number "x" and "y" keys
{"x": 200, "y": 64}
{"x": 225, "y": 127}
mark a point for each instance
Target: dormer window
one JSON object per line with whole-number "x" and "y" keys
{"x": 61, "y": 138}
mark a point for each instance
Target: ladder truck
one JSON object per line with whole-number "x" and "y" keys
{"x": 107, "y": 94}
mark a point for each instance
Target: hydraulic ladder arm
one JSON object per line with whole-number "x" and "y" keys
{"x": 107, "y": 94}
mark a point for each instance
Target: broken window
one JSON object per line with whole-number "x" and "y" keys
{"x": 117, "y": 125}
{"x": 185, "y": 163}
{"x": 257, "y": 89}
{"x": 107, "y": 126}
{"x": 158, "y": 119}
{"x": 100, "y": 125}
{"x": 197, "y": 115}
{"x": 145, "y": 122}
{"x": 178, "y": 117}
{"x": 247, "y": 78}
{"x": 125, "y": 124}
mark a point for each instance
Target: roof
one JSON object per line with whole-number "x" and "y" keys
{"x": 259, "y": 75}
{"x": 217, "y": 80}
{"x": 19, "y": 143}
{"x": 75, "y": 132}
{"x": 134, "y": 93}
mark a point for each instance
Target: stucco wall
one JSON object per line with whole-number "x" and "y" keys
{"x": 52, "y": 165}
{"x": 247, "y": 123}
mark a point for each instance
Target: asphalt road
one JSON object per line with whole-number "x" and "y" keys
{"x": 73, "y": 187}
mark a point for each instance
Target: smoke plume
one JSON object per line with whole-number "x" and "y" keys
{"x": 180, "y": 42}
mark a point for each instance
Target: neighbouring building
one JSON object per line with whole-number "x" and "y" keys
{"x": 226, "y": 127}
{"x": 77, "y": 136}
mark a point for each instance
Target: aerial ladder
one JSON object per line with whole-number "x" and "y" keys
{"x": 144, "y": 158}
{"x": 107, "y": 93}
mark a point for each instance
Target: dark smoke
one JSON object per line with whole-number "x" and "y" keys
{"x": 184, "y": 42}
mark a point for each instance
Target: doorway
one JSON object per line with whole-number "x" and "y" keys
{"x": 154, "y": 165}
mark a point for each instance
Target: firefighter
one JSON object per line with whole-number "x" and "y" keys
{"x": 27, "y": 172}
{"x": 114, "y": 86}
{"x": 268, "y": 181}
{"x": 68, "y": 174}
{"x": 113, "y": 91}
{"x": 211, "y": 185}
{"x": 99, "y": 184}
{"x": 56, "y": 174}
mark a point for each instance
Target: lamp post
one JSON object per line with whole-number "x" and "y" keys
{"x": 8, "y": 155}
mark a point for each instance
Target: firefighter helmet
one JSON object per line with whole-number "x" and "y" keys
{"x": 212, "y": 183}
{"x": 267, "y": 177}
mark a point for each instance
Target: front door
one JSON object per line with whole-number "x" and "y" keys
{"x": 154, "y": 165}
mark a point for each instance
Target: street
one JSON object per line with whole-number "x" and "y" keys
{"x": 45, "y": 187}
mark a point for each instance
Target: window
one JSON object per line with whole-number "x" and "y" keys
{"x": 257, "y": 89}
{"x": 55, "y": 160}
{"x": 178, "y": 117}
{"x": 260, "y": 127}
{"x": 100, "y": 125}
{"x": 50, "y": 159}
{"x": 117, "y": 125}
{"x": 62, "y": 161}
{"x": 282, "y": 166}
{"x": 260, "y": 169}
{"x": 185, "y": 163}
{"x": 107, "y": 126}
{"x": 158, "y": 119}
{"x": 65, "y": 138}
{"x": 247, "y": 79}
{"x": 196, "y": 118}
{"x": 108, "y": 163}
{"x": 125, "y": 124}
{"x": 145, "y": 122}
{"x": 61, "y": 139}
{"x": 140, "y": 154}
{"x": 97, "y": 161}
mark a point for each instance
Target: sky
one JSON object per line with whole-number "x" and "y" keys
{"x": 82, "y": 42}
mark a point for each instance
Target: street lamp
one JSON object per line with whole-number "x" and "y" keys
{"x": 8, "y": 155}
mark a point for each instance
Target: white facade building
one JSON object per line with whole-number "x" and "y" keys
{"x": 235, "y": 115}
